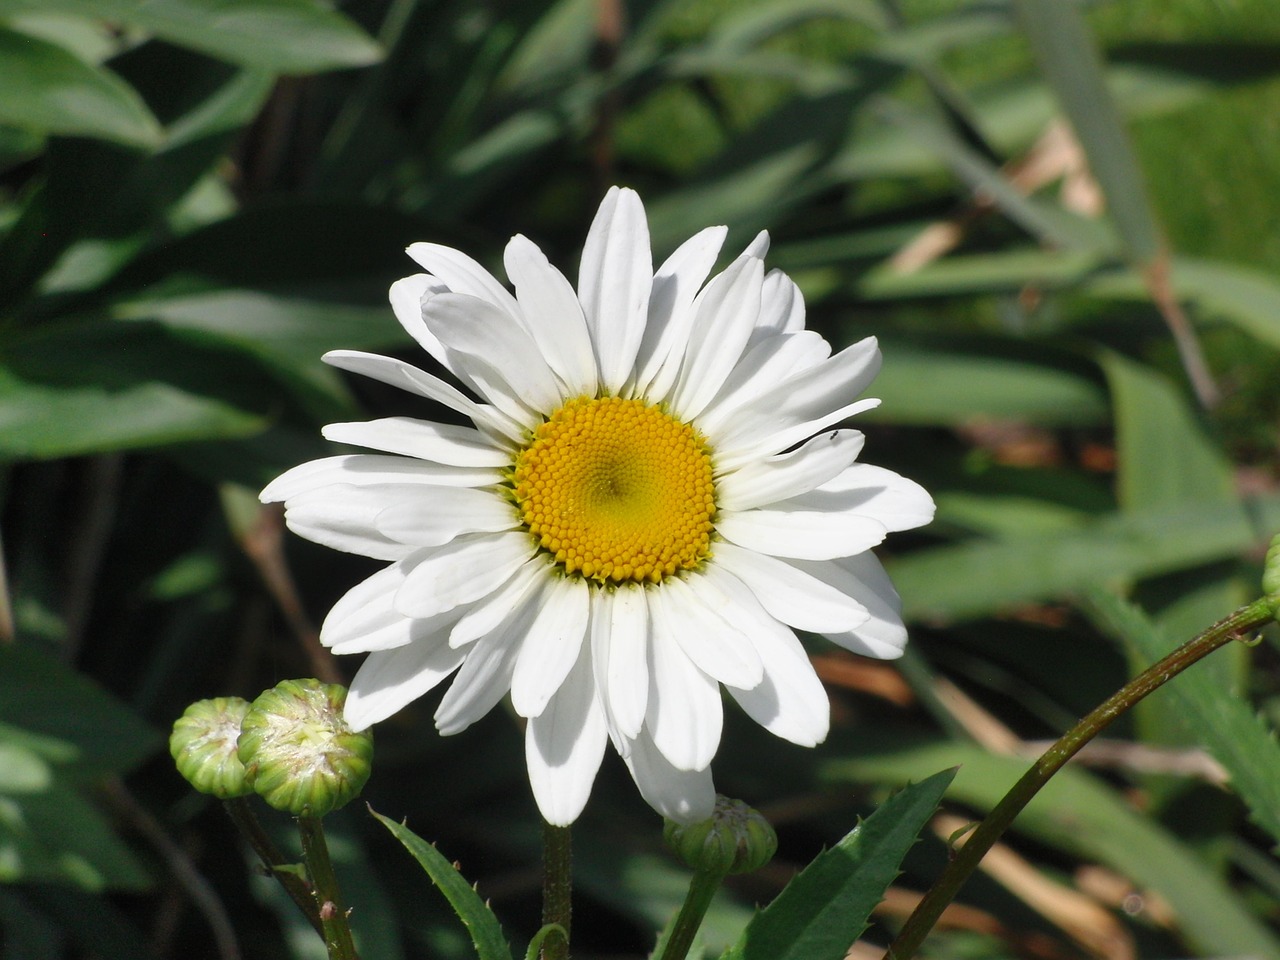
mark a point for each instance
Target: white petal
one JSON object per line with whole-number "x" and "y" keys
{"x": 564, "y": 746}
{"x": 463, "y": 275}
{"x": 798, "y": 407}
{"x": 759, "y": 246}
{"x": 893, "y": 500}
{"x": 670, "y": 317}
{"x": 485, "y": 617}
{"x": 790, "y": 594}
{"x": 620, "y": 652}
{"x": 883, "y": 635}
{"x": 685, "y": 714}
{"x": 789, "y": 474}
{"x": 342, "y": 516}
{"x": 781, "y": 305}
{"x": 768, "y": 362}
{"x": 389, "y": 680}
{"x": 551, "y": 645}
{"x": 786, "y": 531}
{"x": 439, "y": 514}
{"x": 614, "y": 281}
{"x": 497, "y": 353}
{"x": 354, "y": 469}
{"x": 406, "y": 302}
{"x": 351, "y": 469}
{"x": 365, "y": 618}
{"x": 397, "y": 373}
{"x": 790, "y": 702}
{"x": 438, "y": 442}
{"x": 485, "y": 676}
{"x": 686, "y": 796}
{"x": 724, "y": 316}
{"x": 553, "y": 314}
{"x": 462, "y": 571}
{"x": 715, "y": 646}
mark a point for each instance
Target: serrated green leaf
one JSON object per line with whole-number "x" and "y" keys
{"x": 1079, "y": 814}
{"x": 474, "y": 913}
{"x": 1226, "y": 725}
{"x": 45, "y": 88}
{"x": 284, "y": 36}
{"x": 820, "y": 913}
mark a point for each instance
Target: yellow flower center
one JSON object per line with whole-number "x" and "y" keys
{"x": 616, "y": 490}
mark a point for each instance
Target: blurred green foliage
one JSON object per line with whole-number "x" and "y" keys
{"x": 199, "y": 197}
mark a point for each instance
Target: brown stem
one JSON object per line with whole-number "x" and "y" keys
{"x": 966, "y": 859}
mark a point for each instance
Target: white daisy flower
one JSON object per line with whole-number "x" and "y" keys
{"x": 651, "y": 499}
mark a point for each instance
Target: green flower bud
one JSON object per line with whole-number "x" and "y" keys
{"x": 736, "y": 839}
{"x": 1271, "y": 576}
{"x": 203, "y": 745}
{"x": 300, "y": 755}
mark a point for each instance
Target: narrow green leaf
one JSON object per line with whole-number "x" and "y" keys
{"x": 977, "y": 578}
{"x": 964, "y": 385}
{"x": 45, "y": 88}
{"x": 1071, "y": 64}
{"x": 1240, "y": 295}
{"x": 54, "y": 835}
{"x": 820, "y": 913}
{"x": 100, "y": 736}
{"x": 96, "y": 387}
{"x": 1051, "y": 225}
{"x": 981, "y": 273}
{"x": 1081, "y": 815}
{"x": 283, "y": 36}
{"x": 1230, "y": 729}
{"x": 475, "y": 914}
{"x": 1164, "y": 456}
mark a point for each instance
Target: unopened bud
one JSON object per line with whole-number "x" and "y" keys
{"x": 203, "y": 745}
{"x": 735, "y": 839}
{"x": 300, "y": 755}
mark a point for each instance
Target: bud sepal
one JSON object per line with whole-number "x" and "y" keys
{"x": 203, "y": 746}
{"x": 299, "y": 753}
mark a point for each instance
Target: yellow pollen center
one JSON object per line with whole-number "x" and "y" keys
{"x": 617, "y": 490}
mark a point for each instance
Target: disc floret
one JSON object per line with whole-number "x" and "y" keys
{"x": 617, "y": 490}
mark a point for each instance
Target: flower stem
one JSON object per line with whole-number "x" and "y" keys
{"x": 242, "y": 815}
{"x": 679, "y": 937}
{"x": 324, "y": 885}
{"x": 966, "y": 859}
{"x": 557, "y": 889}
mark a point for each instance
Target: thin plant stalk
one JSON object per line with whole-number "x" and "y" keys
{"x": 242, "y": 815}
{"x": 679, "y": 937}
{"x": 557, "y": 889}
{"x": 324, "y": 886}
{"x": 1239, "y": 624}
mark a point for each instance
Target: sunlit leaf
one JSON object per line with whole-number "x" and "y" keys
{"x": 47, "y": 89}
{"x": 1080, "y": 815}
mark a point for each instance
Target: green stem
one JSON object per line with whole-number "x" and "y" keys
{"x": 324, "y": 884}
{"x": 557, "y": 889}
{"x": 966, "y": 859}
{"x": 679, "y": 936}
{"x": 246, "y": 822}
